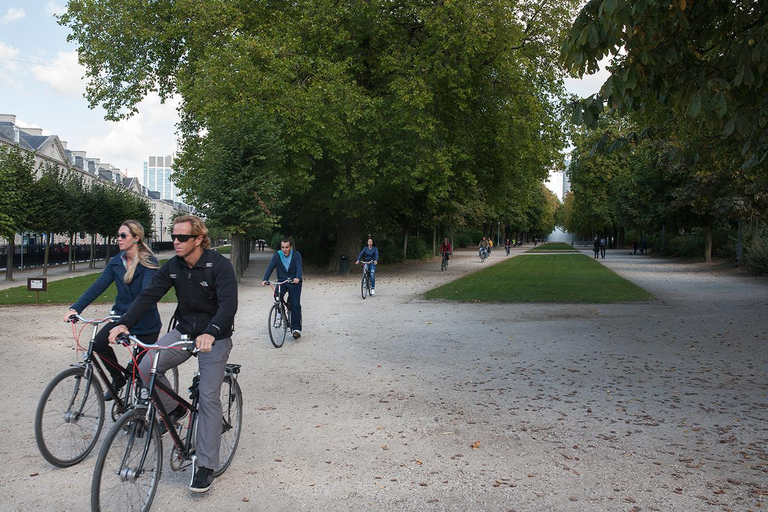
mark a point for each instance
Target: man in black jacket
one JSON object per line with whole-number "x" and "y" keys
{"x": 206, "y": 289}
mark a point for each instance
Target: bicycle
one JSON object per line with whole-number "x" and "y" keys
{"x": 130, "y": 462}
{"x": 444, "y": 263}
{"x": 279, "y": 318}
{"x": 365, "y": 284}
{"x": 70, "y": 414}
{"x": 483, "y": 254}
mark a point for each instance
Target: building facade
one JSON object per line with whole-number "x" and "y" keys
{"x": 157, "y": 177}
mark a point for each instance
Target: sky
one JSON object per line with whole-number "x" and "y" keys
{"x": 41, "y": 83}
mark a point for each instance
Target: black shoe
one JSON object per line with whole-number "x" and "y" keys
{"x": 202, "y": 481}
{"x": 174, "y": 416}
{"x": 117, "y": 383}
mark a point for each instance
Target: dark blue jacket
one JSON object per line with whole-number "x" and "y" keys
{"x": 126, "y": 292}
{"x": 294, "y": 269}
{"x": 367, "y": 254}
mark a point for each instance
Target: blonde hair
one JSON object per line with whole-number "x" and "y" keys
{"x": 198, "y": 228}
{"x": 145, "y": 254}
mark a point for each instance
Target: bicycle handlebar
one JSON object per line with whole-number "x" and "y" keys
{"x": 365, "y": 262}
{"x": 78, "y": 318}
{"x": 126, "y": 339}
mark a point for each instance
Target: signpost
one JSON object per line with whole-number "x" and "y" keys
{"x": 37, "y": 285}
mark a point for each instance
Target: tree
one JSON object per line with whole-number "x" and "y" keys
{"x": 17, "y": 174}
{"x": 379, "y": 109}
{"x": 702, "y": 61}
{"x": 48, "y": 206}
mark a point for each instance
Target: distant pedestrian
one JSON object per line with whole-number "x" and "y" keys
{"x": 643, "y": 246}
{"x": 596, "y": 247}
{"x": 602, "y": 247}
{"x": 634, "y": 246}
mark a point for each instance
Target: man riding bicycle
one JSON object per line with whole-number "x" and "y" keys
{"x": 445, "y": 249}
{"x": 289, "y": 265}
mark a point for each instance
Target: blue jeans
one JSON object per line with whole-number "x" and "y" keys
{"x": 294, "y": 300}
{"x": 372, "y": 267}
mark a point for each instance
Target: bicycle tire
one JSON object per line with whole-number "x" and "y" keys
{"x": 117, "y": 483}
{"x": 443, "y": 265}
{"x": 364, "y": 286}
{"x": 277, "y": 329}
{"x": 63, "y": 436}
{"x": 232, "y": 418}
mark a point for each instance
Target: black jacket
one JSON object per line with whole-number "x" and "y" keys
{"x": 206, "y": 294}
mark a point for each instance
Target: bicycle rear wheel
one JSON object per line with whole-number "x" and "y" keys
{"x": 276, "y": 326}
{"x": 69, "y": 417}
{"x": 364, "y": 286}
{"x": 232, "y": 422}
{"x": 120, "y": 480}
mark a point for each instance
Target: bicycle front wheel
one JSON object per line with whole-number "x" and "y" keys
{"x": 364, "y": 286}
{"x": 129, "y": 465}
{"x": 69, "y": 417}
{"x": 276, "y": 326}
{"x": 232, "y": 422}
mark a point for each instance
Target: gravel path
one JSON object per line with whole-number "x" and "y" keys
{"x": 397, "y": 403}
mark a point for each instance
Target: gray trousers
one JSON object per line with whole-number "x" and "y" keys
{"x": 211, "y": 368}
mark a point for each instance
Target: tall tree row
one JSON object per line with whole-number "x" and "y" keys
{"x": 339, "y": 118}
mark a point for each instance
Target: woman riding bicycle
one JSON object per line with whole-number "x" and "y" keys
{"x": 131, "y": 270}
{"x": 370, "y": 255}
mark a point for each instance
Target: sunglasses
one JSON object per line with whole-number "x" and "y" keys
{"x": 181, "y": 238}
{"x": 123, "y": 235}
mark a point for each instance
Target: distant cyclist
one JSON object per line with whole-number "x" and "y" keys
{"x": 483, "y": 247}
{"x": 370, "y": 253}
{"x": 445, "y": 249}
{"x": 508, "y": 246}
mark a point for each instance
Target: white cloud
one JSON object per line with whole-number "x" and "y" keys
{"x": 9, "y": 70}
{"x": 128, "y": 143}
{"x": 63, "y": 74}
{"x": 52, "y": 8}
{"x": 13, "y": 14}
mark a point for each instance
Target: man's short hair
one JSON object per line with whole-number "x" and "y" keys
{"x": 198, "y": 228}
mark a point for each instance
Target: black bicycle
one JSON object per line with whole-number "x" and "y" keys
{"x": 444, "y": 263}
{"x": 279, "y": 318}
{"x": 130, "y": 462}
{"x": 71, "y": 410}
{"x": 365, "y": 284}
{"x": 483, "y": 252}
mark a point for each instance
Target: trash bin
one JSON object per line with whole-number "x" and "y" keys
{"x": 344, "y": 266}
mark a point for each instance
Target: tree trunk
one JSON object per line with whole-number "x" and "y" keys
{"x": 47, "y": 251}
{"x": 234, "y": 255}
{"x": 708, "y": 245}
{"x": 71, "y": 253}
{"x": 107, "y": 247}
{"x": 740, "y": 242}
{"x": 92, "y": 263}
{"x": 405, "y": 243}
{"x": 347, "y": 242}
{"x": 9, "y": 258}
{"x": 434, "y": 240}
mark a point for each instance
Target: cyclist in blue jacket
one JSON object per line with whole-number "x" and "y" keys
{"x": 370, "y": 253}
{"x": 131, "y": 270}
{"x": 288, "y": 264}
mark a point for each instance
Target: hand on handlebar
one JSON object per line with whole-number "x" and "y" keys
{"x": 70, "y": 316}
{"x": 204, "y": 342}
{"x": 117, "y": 331}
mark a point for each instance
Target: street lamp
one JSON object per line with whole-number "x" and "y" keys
{"x": 161, "y": 226}
{"x": 498, "y": 233}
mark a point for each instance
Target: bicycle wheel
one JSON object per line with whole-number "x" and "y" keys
{"x": 232, "y": 418}
{"x": 276, "y": 327}
{"x": 69, "y": 417}
{"x": 364, "y": 286}
{"x": 443, "y": 264}
{"x": 120, "y": 480}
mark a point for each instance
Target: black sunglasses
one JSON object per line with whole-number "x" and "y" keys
{"x": 181, "y": 238}
{"x": 123, "y": 235}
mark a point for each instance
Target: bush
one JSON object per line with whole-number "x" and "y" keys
{"x": 467, "y": 239}
{"x": 756, "y": 257}
{"x": 389, "y": 251}
{"x": 688, "y": 245}
{"x": 418, "y": 249}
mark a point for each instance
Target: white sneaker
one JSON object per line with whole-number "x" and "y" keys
{"x": 296, "y": 335}
{"x": 373, "y": 292}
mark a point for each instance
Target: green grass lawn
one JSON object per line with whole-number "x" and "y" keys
{"x": 542, "y": 278}
{"x": 64, "y": 291}
{"x": 552, "y": 247}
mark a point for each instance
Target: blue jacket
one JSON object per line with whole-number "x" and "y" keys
{"x": 294, "y": 269}
{"x": 114, "y": 272}
{"x": 367, "y": 254}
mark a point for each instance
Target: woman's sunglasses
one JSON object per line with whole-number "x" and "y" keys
{"x": 181, "y": 238}
{"x": 123, "y": 235}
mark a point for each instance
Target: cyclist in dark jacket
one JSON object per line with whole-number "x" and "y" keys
{"x": 370, "y": 253}
{"x": 206, "y": 289}
{"x": 289, "y": 265}
{"x": 131, "y": 270}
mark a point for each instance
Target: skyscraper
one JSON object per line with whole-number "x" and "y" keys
{"x": 157, "y": 177}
